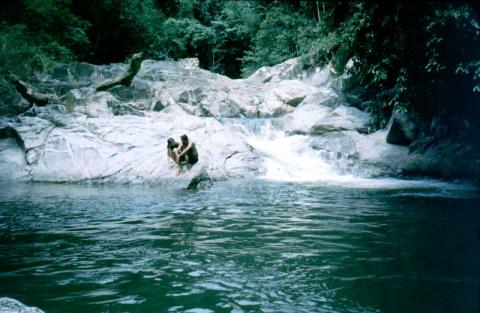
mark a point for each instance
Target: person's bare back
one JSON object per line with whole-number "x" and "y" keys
{"x": 187, "y": 153}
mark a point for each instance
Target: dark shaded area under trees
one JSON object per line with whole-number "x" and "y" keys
{"x": 415, "y": 57}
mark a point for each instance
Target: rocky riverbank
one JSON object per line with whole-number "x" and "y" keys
{"x": 120, "y": 135}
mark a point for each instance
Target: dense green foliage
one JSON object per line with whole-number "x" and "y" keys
{"x": 422, "y": 57}
{"x": 408, "y": 56}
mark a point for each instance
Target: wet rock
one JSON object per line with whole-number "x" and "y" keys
{"x": 201, "y": 180}
{"x": 396, "y": 134}
{"x": 447, "y": 157}
{"x": 338, "y": 149}
{"x": 402, "y": 129}
{"x": 336, "y": 143}
{"x": 8, "y": 305}
{"x": 376, "y": 157}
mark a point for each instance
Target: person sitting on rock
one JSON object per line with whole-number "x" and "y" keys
{"x": 172, "y": 147}
{"x": 187, "y": 154}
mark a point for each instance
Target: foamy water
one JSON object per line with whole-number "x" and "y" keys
{"x": 291, "y": 158}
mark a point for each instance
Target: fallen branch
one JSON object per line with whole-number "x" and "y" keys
{"x": 34, "y": 98}
{"x": 125, "y": 79}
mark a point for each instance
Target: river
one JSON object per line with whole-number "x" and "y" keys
{"x": 371, "y": 245}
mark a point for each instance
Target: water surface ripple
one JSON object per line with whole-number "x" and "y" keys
{"x": 241, "y": 246}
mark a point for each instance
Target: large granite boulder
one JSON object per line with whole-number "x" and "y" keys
{"x": 402, "y": 129}
{"x": 160, "y": 84}
{"x": 376, "y": 157}
{"x": 126, "y": 149}
{"x": 317, "y": 120}
{"x": 310, "y": 67}
{"x": 445, "y": 157}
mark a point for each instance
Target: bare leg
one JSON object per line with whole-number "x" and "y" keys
{"x": 187, "y": 165}
{"x": 179, "y": 169}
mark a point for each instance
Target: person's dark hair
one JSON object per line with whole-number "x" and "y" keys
{"x": 184, "y": 138}
{"x": 171, "y": 143}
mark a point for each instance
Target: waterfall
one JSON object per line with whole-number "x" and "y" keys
{"x": 290, "y": 157}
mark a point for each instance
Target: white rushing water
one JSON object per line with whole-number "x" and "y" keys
{"x": 293, "y": 158}
{"x": 289, "y": 158}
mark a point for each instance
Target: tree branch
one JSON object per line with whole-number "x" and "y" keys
{"x": 125, "y": 79}
{"x": 27, "y": 92}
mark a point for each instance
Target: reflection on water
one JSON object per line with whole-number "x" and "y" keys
{"x": 242, "y": 246}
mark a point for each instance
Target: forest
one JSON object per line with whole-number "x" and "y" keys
{"x": 418, "y": 57}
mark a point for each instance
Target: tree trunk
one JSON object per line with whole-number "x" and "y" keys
{"x": 125, "y": 79}
{"x": 34, "y": 98}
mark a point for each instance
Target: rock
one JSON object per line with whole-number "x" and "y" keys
{"x": 396, "y": 135}
{"x": 138, "y": 92}
{"x": 162, "y": 98}
{"x": 8, "y": 305}
{"x": 120, "y": 135}
{"x": 33, "y": 131}
{"x": 126, "y": 109}
{"x": 9, "y": 132}
{"x": 338, "y": 149}
{"x": 274, "y": 74}
{"x": 343, "y": 118}
{"x": 11, "y": 103}
{"x": 189, "y": 63}
{"x": 446, "y": 158}
{"x": 201, "y": 180}
{"x": 83, "y": 71}
{"x": 28, "y": 93}
{"x": 317, "y": 120}
{"x": 336, "y": 143}
{"x": 348, "y": 82}
{"x": 127, "y": 77}
{"x": 300, "y": 68}
{"x": 160, "y": 84}
{"x": 291, "y": 92}
{"x": 124, "y": 148}
{"x": 90, "y": 103}
{"x": 321, "y": 77}
{"x": 402, "y": 129}
{"x": 376, "y": 157}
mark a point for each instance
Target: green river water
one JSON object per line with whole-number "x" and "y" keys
{"x": 242, "y": 246}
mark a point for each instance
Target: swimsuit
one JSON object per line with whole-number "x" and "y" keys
{"x": 192, "y": 158}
